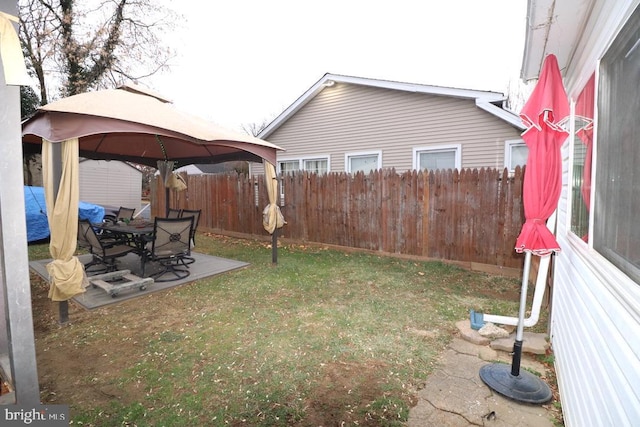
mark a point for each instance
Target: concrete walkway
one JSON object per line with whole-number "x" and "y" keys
{"x": 455, "y": 396}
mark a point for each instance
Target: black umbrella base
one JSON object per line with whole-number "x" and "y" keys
{"x": 525, "y": 387}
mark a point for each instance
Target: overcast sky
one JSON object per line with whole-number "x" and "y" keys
{"x": 245, "y": 61}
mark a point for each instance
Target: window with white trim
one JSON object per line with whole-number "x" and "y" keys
{"x": 318, "y": 165}
{"x": 288, "y": 166}
{"x": 515, "y": 154}
{"x": 616, "y": 204}
{"x": 363, "y": 162}
{"x": 582, "y": 160}
{"x": 437, "y": 157}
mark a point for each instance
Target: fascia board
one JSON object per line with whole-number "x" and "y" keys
{"x": 501, "y": 113}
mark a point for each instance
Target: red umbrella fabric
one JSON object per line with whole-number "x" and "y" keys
{"x": 543, "y": 114}
{"x": 584, "y": 110}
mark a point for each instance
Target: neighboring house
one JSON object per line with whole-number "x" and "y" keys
{"x": 110, "y": 183}
{"x": 351, "y": 124}
{"x": 595, "y": 318}
{"x": 207, "y": 169}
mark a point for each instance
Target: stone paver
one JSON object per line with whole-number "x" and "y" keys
{"x": 531, "y": 343}
{"x": 455, "y": 396}
{"x": 470, "y": 334}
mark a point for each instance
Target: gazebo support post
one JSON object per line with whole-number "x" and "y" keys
{"x": 56, "y": 170}
{"x": 274, "y": 247}
{"x": 17, "y": 340}
{"x": 167, "y": 201}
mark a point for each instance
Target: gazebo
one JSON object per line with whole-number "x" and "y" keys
{"x": 129, "y": 123}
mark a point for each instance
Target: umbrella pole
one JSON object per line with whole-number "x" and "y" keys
{"x": 517, "y": 345}
{"x": 509, "y": 381}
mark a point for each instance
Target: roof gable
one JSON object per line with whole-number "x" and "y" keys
{"x": 115, "y": 162}
{"x": 486, "y": 100}
{"x": 207, "y": 168}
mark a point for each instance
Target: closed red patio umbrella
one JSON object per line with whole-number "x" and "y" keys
{"x": 544, "y": 115}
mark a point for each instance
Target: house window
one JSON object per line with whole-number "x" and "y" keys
{"x": 288, "y": 166}
{"x": 363, "y": 162}
{"x": 616, "y": 234}
{"x": 437, "y": 157}
{"x": 582, "y": 155}
{"x": 515, "y": 154}
{"x": 315, "y": 165}
{"x": 318, "y": 166}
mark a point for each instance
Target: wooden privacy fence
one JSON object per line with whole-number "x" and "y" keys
{"x": 472, "y": 215}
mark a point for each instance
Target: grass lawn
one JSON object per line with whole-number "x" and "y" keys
{"x": 323, "y": 338}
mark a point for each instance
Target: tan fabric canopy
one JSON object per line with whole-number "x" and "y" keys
{"x": 132, "y": 124}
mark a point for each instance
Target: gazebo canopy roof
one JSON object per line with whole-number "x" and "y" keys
{"x": 132, "y": 124}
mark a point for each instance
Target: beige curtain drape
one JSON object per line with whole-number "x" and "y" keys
{"x": 176, "y": 182}
{"x": 66, "y": 272}
{"x": 271, "y": 216}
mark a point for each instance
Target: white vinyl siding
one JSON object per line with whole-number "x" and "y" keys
{"x": 595, "y": 315}
{"x": 348, "y": 118}
{"x": 110, "y": 183}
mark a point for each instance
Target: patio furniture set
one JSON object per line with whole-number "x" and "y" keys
{"x": 166, "y": 242}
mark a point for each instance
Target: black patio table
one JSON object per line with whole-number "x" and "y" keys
{"x": 135, "y": 233}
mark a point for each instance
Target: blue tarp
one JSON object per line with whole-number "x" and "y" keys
{"x": 37, "y": 223}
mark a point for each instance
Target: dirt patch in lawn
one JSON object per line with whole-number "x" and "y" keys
{"x": 84, "y": 368}
{"x": 349, "y": 394}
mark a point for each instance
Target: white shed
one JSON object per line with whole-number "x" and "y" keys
{"x": 110, "y": 183}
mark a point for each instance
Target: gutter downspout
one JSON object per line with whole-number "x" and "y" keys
{"x": 479, "y": 319}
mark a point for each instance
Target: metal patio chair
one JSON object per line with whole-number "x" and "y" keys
{"x": 103, "y": 253}
{"x": 185, "y": 213}
{"x": 123, "y": 214}
{"x": 174, "y": 213}
{"x": 169, "y": 245}
{"x": 196, "y": 217}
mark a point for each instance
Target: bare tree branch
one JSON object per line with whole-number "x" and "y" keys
{"x": 255, "y": 128}
{"x": 74, "y": 46}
